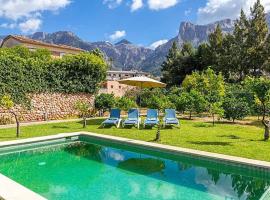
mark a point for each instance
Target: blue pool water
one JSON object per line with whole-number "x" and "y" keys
{"x": 98, "y": 170}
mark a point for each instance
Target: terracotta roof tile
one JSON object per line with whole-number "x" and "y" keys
{"x": 37, "y": 42}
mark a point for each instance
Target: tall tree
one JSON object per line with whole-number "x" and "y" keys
{"x": 239, "y": 57}
{"x": 257, "y": 36}
{"x": 179, "y": 63}
{"x": 215, "y": 46}
{"x": 170, "y": 64}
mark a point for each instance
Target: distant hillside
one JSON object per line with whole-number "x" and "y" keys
{"x": 126, "y": 56}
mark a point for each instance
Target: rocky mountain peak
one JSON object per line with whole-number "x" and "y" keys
{"x": 124, "y": 41}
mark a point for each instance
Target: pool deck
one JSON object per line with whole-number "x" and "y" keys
{"x": 10, "y": 190}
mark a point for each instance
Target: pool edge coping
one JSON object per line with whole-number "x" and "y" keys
{"x": 18, "y": 192}
{"x": 181, "y": 150}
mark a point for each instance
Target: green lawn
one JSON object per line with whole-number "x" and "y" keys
{"x": 226, "y": 138}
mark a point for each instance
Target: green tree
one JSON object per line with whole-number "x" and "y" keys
{"x": 215, "y": 46}
{"x": 179, "y": 63}
{"x": 170, "y": 64}
{"x": 125, "y": 103}
{"x": 260, "y": 87}
{"x": 84, "y": 109}
{"x": 216, "y": 109}
{"x": 76, "y": 73}
{"x": 235, "y": 108}
{"x": 104, "y": 102}
{"x": 8, "y": 104}
{"x": 191, "y": 102}
{"x": 257, "y": 35}
{"x": 210, "y": 86}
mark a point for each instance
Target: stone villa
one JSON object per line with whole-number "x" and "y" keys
{"x": 57, "y": 51}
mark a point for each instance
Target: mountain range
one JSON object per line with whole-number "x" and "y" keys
{"x": 127, "y": 56}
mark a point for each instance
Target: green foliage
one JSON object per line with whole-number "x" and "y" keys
{"x": 235, "y": 108}
{"x": 104, "y": 102}
{"x": 125, "y": 103}
{"x": 23, "y": 72}
{"x": 82, "y": 107}
{"x": 156, "y": 99}
{"x": 191, "y": 101}
{"x": 216, "y": 109}
{"x": 260, "y": 88}
{"x": 237, "y": 55}
{"x": 6, "y": 102}
{"x": 210, "y": 85}
{"x": 76, "y": 73}
{"x": 178, "y": 64}
{"x": 244, "y": 52}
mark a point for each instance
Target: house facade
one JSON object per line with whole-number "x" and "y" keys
{"x": 57, "y": 51}
{"x": 112, "y": 86}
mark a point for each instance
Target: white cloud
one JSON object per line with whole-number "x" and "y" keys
{"x": 136, "y": 4}
{"x": 161, "y": 4}
{"x": 157, "y": 43}
{"x": 26, "y": 14}
{"x": 17, "y": 9}
{"x": 117, "y": 35}
{"x": 220, "y": 9}
{"x": 31, "y": 25}
{"x": 112, "y": 3}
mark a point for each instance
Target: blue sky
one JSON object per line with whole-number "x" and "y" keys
{"x": 143, "y": 22}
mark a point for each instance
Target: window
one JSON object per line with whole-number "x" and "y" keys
{"x": 112, "y": 86}
{"x": 119, "y": 87}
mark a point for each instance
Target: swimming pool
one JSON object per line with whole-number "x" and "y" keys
{"x": 91, "y": 168}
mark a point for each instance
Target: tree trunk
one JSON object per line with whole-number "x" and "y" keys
{"x": 17, "y": 124}
{"x": 266, "y": 129}
{"x": 213, "y": 116}
{"x": 158, "y": 134}
{"x": 190, "y": 115}
{"x": 84, "y": 122}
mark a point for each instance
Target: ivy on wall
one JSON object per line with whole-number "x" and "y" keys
{"x": 23, "y": 72}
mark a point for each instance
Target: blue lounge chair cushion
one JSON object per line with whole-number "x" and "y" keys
{"x": 170, "y": 117}
{"x": 152, "y": 117}
{"x": 171, "y": 121}
{"x": 151, "y": 121}
{"x": 114, "y": 117}
{"x": 111, "y": 121}
{"x": 133, "y": 117}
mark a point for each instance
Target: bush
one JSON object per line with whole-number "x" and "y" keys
{"x": 235, "y": 108}
{"x": 125, "y": 103}
{"x": 23, "y": 72}
{"x": 104, "y": 102}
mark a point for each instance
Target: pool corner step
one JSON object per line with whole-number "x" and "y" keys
{"x": 11, "y": 190}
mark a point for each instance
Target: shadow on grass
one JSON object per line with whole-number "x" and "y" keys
{"x": 92, "y": 122}
{"x": 62, "y": 127}
{"x": 211, "y": 143}
{"x": 260, "y": 140}
{"x": 203, "y": 125}
{"x": 230, "y": 136}
{"x": 255, "y": 123}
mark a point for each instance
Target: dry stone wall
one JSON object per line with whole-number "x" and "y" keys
{"x": 50, "y": 106}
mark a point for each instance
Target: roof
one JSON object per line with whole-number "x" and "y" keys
{"x": 23, "y": 39}
{"x": 127, "y": 72}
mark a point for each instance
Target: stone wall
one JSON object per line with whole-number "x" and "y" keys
{"x": 51, "y": 106}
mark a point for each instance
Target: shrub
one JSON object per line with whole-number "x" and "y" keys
{"x": 104, "y": 102}
{"x": 125, "y": 103}
{"x": 235, "y": 108}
